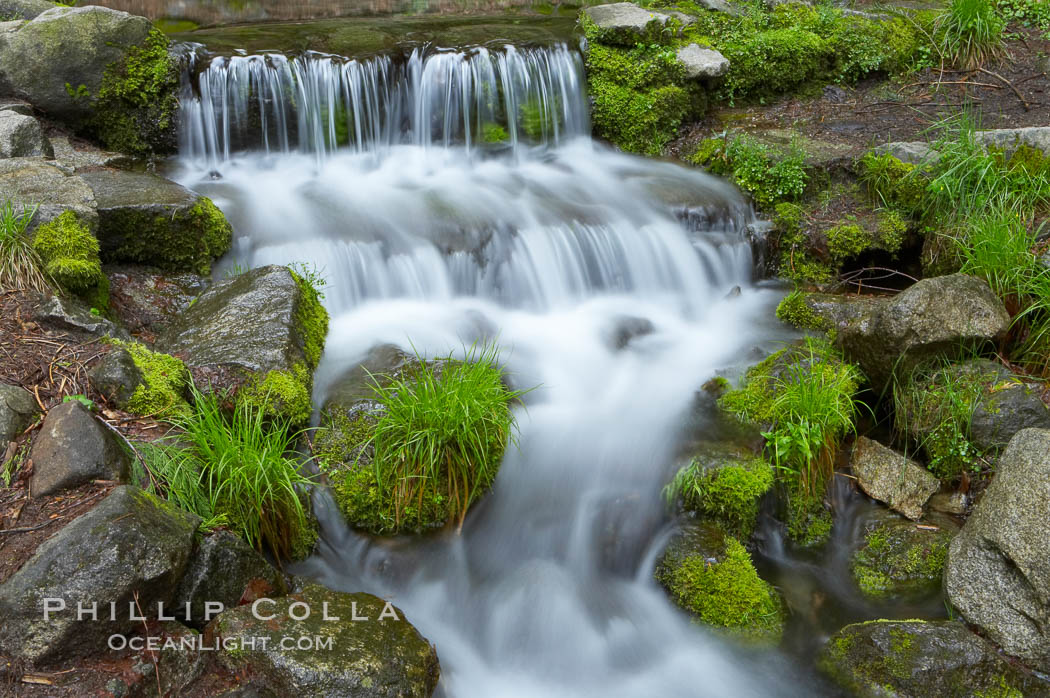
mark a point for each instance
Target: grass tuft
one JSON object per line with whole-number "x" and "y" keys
{"x": 970, "y": 33}
{"x": 20, "y": 265}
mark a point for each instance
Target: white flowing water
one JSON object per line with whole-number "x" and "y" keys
{"x": 607, "y": 279}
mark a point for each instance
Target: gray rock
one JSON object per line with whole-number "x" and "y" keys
{"x": 625, "y": 23}
{"x": 16, "y": 106}
{"x": 940, "y": 316}
{"x": 146, "y": 219}
{"x": 71, "y": 315}
{"x": 911, "y": 152}
{"x": 1008, "y": 139}
{"x": 146, "y": 300}
{"x": 21, "y": 136}
{"x": 18, "y": 409}
{"x": 915, "y": 659}
{"x": 1004, "y": 410}
{"x": 63, "y": 48}
{"x": 72, "y": 449}
{"x": 169, "y": 670}
{"x": 23, "y": 9}
{"x": 897, "y": 557}
{"x": 220, "y": 569}
{"x": 998, "y": 573}
{"x": 36, "y": 182}
{"x": 840, "y": 312}
{"x": 955, "y": 503}
{"x": 131, "y": 543}
{"x": 116, "y": 376}
{"x": 84, "y": 156}
{"x": 373, "y": 659}
{"x": 892, "y": 478}
{"x": 702, "y": 62}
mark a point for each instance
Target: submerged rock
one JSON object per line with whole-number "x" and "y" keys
{"x": 916, "y": 659}
{"x": 17, "y": 411}
{"x": 381, "y": 657}
{"x": 72, "y": 449}
{"x": 898, "y": 557}
{"x": 21, "y": 136}
{"x": 132, "y": 547}
{"x": 146, "y": 219}
{"x": 892, "y": 478}
{"x": 998, "y": 573}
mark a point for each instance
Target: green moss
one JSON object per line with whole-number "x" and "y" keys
{"x": 787, "y": 217}
{"x": 893, "y": 183}
{"x": 185, "y": 240}
{"x": 847, "y": 240}
{"x": 769, "y": 174}
{"x": 729, "y": 494}
{"x": 794, "y": 311}
{"x": 809, "y": 523}
{"x": 136, "y": 104}
{"x": 311, "y": 318}
{"x": 494, "y": 133}
{"x": 896, "y": 559}
{"x": 539, "y": 119}
{"x": 753, "y": 401}
{"x": 165, "y": 381}
{"x": 728, "y": 594}
{"x": 69, "y": 253}
{"x": 284, "y": 395}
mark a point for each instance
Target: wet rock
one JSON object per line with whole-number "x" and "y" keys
{"x": 116, "y": 376}
{"x": 892, "y": 478}
{"x": 36, "y": 182}
{"x": 702, "y": 62}
{"x": 71, "y": 315}
{"x": 356, "y": 383}
{"x": 146, "y": 300}
{"x": 898, "y": 557}
{"x": 63, "y": 48}
{"x": 624, "y": 22}
{"x": 23, "y": 9}
{"x": 628, "y": 329}
{"x": 955, "y": 503}
{"x": 168, "y": 671}
{"x": 130, "y": 543}
{"x": 83, "y": 155}
{"x": 915, "y": 659}
{"x": 221, "y": 569}
{"x": 998, "y": 573}
{"x": 1008, "y": 139}
{"x": 18, "y": 409}
{"x": 146, "y": 219}
{"x": 72, "y": 449}
{"x": 939, "y": 316}
{"x": 383, "y": 656}
{"x": 911, "y": 152}
{"x": 1004, "y": 409}
{"x": 21, "y": 136}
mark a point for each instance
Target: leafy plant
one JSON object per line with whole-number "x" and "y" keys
{"x": 770, "y": 175}
{"x": 970, "y": 33}
{"x": 20, "y": 265}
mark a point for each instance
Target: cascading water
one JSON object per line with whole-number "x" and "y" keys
{"x": 606, "y": 278}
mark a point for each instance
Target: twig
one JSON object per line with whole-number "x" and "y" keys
{"x": 152, "y": 653}
{"x": 1010, "y": 84}
{"x": 152, "y": 479}
{"x": 27, "y": 529}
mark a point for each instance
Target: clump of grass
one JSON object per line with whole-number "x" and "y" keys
{"x": 20, "y": 265}
{"x": 235, "y": 469}
{"x": 970, "y": 33}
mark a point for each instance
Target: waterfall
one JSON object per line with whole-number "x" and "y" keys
{"x": 320, "y": 103}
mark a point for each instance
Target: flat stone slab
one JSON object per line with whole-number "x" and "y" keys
{"x": 702, "y": 62}
{"x": 35, "y": 181}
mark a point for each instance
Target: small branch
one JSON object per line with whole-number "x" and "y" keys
{"x": 1010, "y": 84}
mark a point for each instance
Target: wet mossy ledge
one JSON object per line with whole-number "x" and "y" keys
{"x": 425, "y": 446}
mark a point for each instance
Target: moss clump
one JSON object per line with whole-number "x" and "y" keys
{"x": 283, "y": 395}
{"x": 494, "y": 133}
{"x": 727, "y": 594}
{"x": 894, "y": 184}
{"x": 165, "y": 381}
{"x": 753, "y": 401}
{"x": 794, "y": 311}
{"x": 898, "y": 559}
{"x": 137, "y": 101}
{"x": 188, "y": 239}
{"x": 69, "y": 253}
{"x": 809, "y": 522}
{"x": 770, "y": 175}
{"x": 311, "y": 316}
{"x": 729, "y": 494}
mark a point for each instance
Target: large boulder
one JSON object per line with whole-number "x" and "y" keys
{"x": 23, "y": 9}
{"x": 998, "y": 573}
{"x": 939, "y": 316}
{"x": 625, "y": 23}
{"x": 383, "y": 656}
{"x": 130, "y": 550}
{"x": 892, "y": 478}
{"x": 17, "y": 411}
{"x": 146, "y": 219}
{"x": 897, "y": 557}
{"x": 72, "y": 449}
{"x": 916, "y": 659}
{"x": 222, "y": 568}
{"x": 21, "y": 136}
{"x": 106, "y": 73}
{"x": 37, "y": 182}
{"x": 259, "y": 334}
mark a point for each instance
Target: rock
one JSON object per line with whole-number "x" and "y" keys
{"x": 911, "y": 152}
{"x": 898, "y": 558}
{"x": 940, "y": 316}
{"x": 146, "y": 219}
{"x": 68, "y": 314}
{"x": 1005, "y": 409}
{"x": 146, "y": 300}
{"x": 355, "y": 384}
{"x": 702, "y": 62}
{"x": 955, "y": 503}
{"x": 169, "y": 670}
{"x": 628, "y": 328}
{"x": 64, "y": 48}
{"x": 1008, "y": 139}
{"x": 838, "y": 312}
{"x": 383, "y": 656}
{"x": 998, "y": 573}
{"x": 21, "y": 136}
{"x": 15, "y": 106}
{"x": 131, "y": 542}
{"x": 36, "y": 182}
{"x": 892, "y": 478}
{"x": 18, "y": 409}
{"x": 220, "y": 570}
{"x": 914, "y": 659}
{"x": 624, "y": 22}
{"x": 72, "y": 449}
{"x": 260, "y": 333}
{"x": 23, "y": 9}
{"x": 116, "y": 377}
{"x": 85, "y": 156}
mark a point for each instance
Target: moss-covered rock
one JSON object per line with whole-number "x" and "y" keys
{"x": 165, "y": 381}
{"x": 900, "y": 558}
{"x": 146, "y": 219}
{"x": 383, "y": 656}
{"x": 890, "y": 658}
{"x": 70, "y": 254}
{"x": 710, "y": 575}
{"x": 725, "y": 486}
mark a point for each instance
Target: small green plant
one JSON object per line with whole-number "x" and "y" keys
{"x": 970, "y": 33}
{"x": 770, "y": 175}
{"x": 82, "y": 399}
{"x": 20, "y": 265}
{"x": 235, "y": 470}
